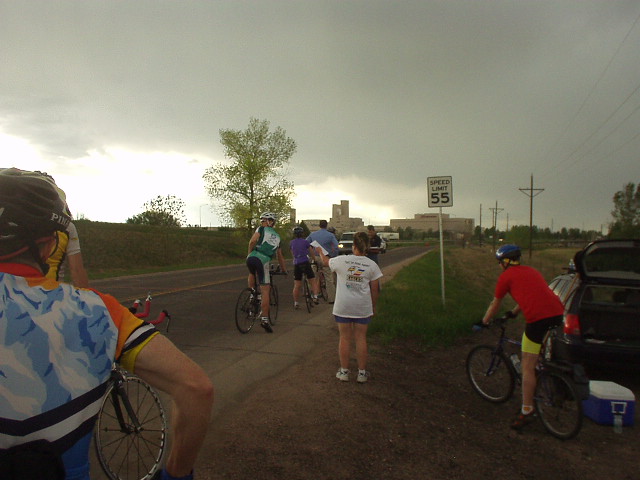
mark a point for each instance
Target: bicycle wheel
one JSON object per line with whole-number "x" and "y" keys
{"x": 490, "y": 374}
{"x": 558, "y": 405}
{"x": 246, "y": 310}
{"x": 130, "y": 440}
{"x": 273, "y": 304}
{"x": 323, "y": 286}
{"x": 306, "y": 293}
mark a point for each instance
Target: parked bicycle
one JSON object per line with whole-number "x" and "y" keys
{"x": 130, "y": 436}
{"x": 131, "y": 430}
{"x": 248, "y": 305}
{"x": 494, "y": 372}
{"x": 322, "y": 281}
{"x": 306, "y": 293}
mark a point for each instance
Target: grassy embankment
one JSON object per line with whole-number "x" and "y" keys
{"x": 112, "y": 249}
{"x": 411, "y": 306}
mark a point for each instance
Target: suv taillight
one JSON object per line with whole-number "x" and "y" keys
{"x": 571, "y": 324}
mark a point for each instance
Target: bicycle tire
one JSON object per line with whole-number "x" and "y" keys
{"x": 558, "y": 405}
{"x": 490, "y": 373}
{"x": 322, "y": 281}
{"x": 246, "y": 311}
{"x": 124, "y": 452}
{"x": 273, "y": 304}
{"x": 307, "y": 293}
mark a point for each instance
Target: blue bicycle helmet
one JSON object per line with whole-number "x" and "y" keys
{"x": 508, "y": 251}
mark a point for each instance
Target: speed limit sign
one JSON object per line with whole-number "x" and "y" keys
{"x": 440, "y": 192}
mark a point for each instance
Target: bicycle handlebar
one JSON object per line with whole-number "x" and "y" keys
{"x": 499, "y": 321}
{"x": 276, "y": 271}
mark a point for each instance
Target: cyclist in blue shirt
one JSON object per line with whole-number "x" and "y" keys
{"x": 329, "y": 242}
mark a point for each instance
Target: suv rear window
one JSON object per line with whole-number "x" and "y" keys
{"x": 613, "y": 261}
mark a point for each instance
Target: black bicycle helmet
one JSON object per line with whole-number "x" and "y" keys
{"x": 298, "y": 232}
{"x": 508, "y": 251}
{"x": 30, "y": 205}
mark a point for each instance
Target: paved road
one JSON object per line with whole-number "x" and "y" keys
{"x": 202, "y": 306}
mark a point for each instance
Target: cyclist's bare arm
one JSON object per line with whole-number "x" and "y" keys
{"x": 493, "y": 308}
{"x": 79, "y": 276}
{"x": 283, "y": 266}
{"x": 312, "y": 254}
{"x": 166, "y": 368}
{"x": 324, "y": 259}
{"x": 253, "y": 242}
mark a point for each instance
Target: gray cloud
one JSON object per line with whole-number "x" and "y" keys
{"x": 489, "y": 92}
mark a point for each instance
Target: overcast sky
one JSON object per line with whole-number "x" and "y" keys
{"x": 123, "y": 101}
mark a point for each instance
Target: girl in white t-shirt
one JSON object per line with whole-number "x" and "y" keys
{"x": 357, "y": 291}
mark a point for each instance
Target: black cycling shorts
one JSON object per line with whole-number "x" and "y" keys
{"x": 303, "y": 268}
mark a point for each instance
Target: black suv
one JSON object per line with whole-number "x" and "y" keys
{"x": 602, "y": 304}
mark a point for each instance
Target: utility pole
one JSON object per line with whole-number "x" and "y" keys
{"x": 496, "y": 210}
{"x": 531, "y": 192}
{"x": 480, "y": 231}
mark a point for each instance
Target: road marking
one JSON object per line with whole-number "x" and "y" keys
{"x": 184, "y": 289}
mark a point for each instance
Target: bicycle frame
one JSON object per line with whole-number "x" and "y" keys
{"x": 557, "y": 399}
{"x": 119, "y": 397}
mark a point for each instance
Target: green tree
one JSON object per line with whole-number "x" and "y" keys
{"x": 626, "y": 213}
{"x": 163, "y": 211}
{"x": 256, "y": 180}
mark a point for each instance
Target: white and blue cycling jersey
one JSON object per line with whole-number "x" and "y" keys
{"x": 57, "y": 347}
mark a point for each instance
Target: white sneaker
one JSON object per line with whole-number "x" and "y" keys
{"x": 363, "y": 376}
{"x": 343, "y": 375}
{"x": 296, "y": 306}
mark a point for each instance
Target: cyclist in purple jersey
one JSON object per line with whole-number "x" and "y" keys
{"x": 302, "y": 250}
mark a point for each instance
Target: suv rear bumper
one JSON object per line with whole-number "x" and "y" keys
{"x": 595, "y": 352}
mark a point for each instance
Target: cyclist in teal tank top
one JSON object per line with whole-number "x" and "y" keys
{"x": 263, "y": 247}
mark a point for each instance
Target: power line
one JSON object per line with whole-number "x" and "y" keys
{"x": 590, "y": 94}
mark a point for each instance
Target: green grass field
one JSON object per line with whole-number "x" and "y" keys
{"x": 412, "y": 306}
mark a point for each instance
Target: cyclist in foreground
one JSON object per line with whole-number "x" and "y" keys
{"x": 541, "y": 309}
{"x": 264, "y": 245}
{"x": 59, "y": 343}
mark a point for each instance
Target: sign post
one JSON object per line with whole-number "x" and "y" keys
{"x": 440, "y": 194}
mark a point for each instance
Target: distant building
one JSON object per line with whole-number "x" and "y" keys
{"x": 422, "y": 222}
{"x": 341, "y": 221}
{"x": 429, "y": 221}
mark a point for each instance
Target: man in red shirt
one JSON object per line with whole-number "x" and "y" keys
{"x": 541, "y": 309}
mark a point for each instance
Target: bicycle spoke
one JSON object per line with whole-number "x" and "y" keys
{"x": 135, "y": 449}
{"x": 558, "y": 405}
{"x": 489, "y": 374}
